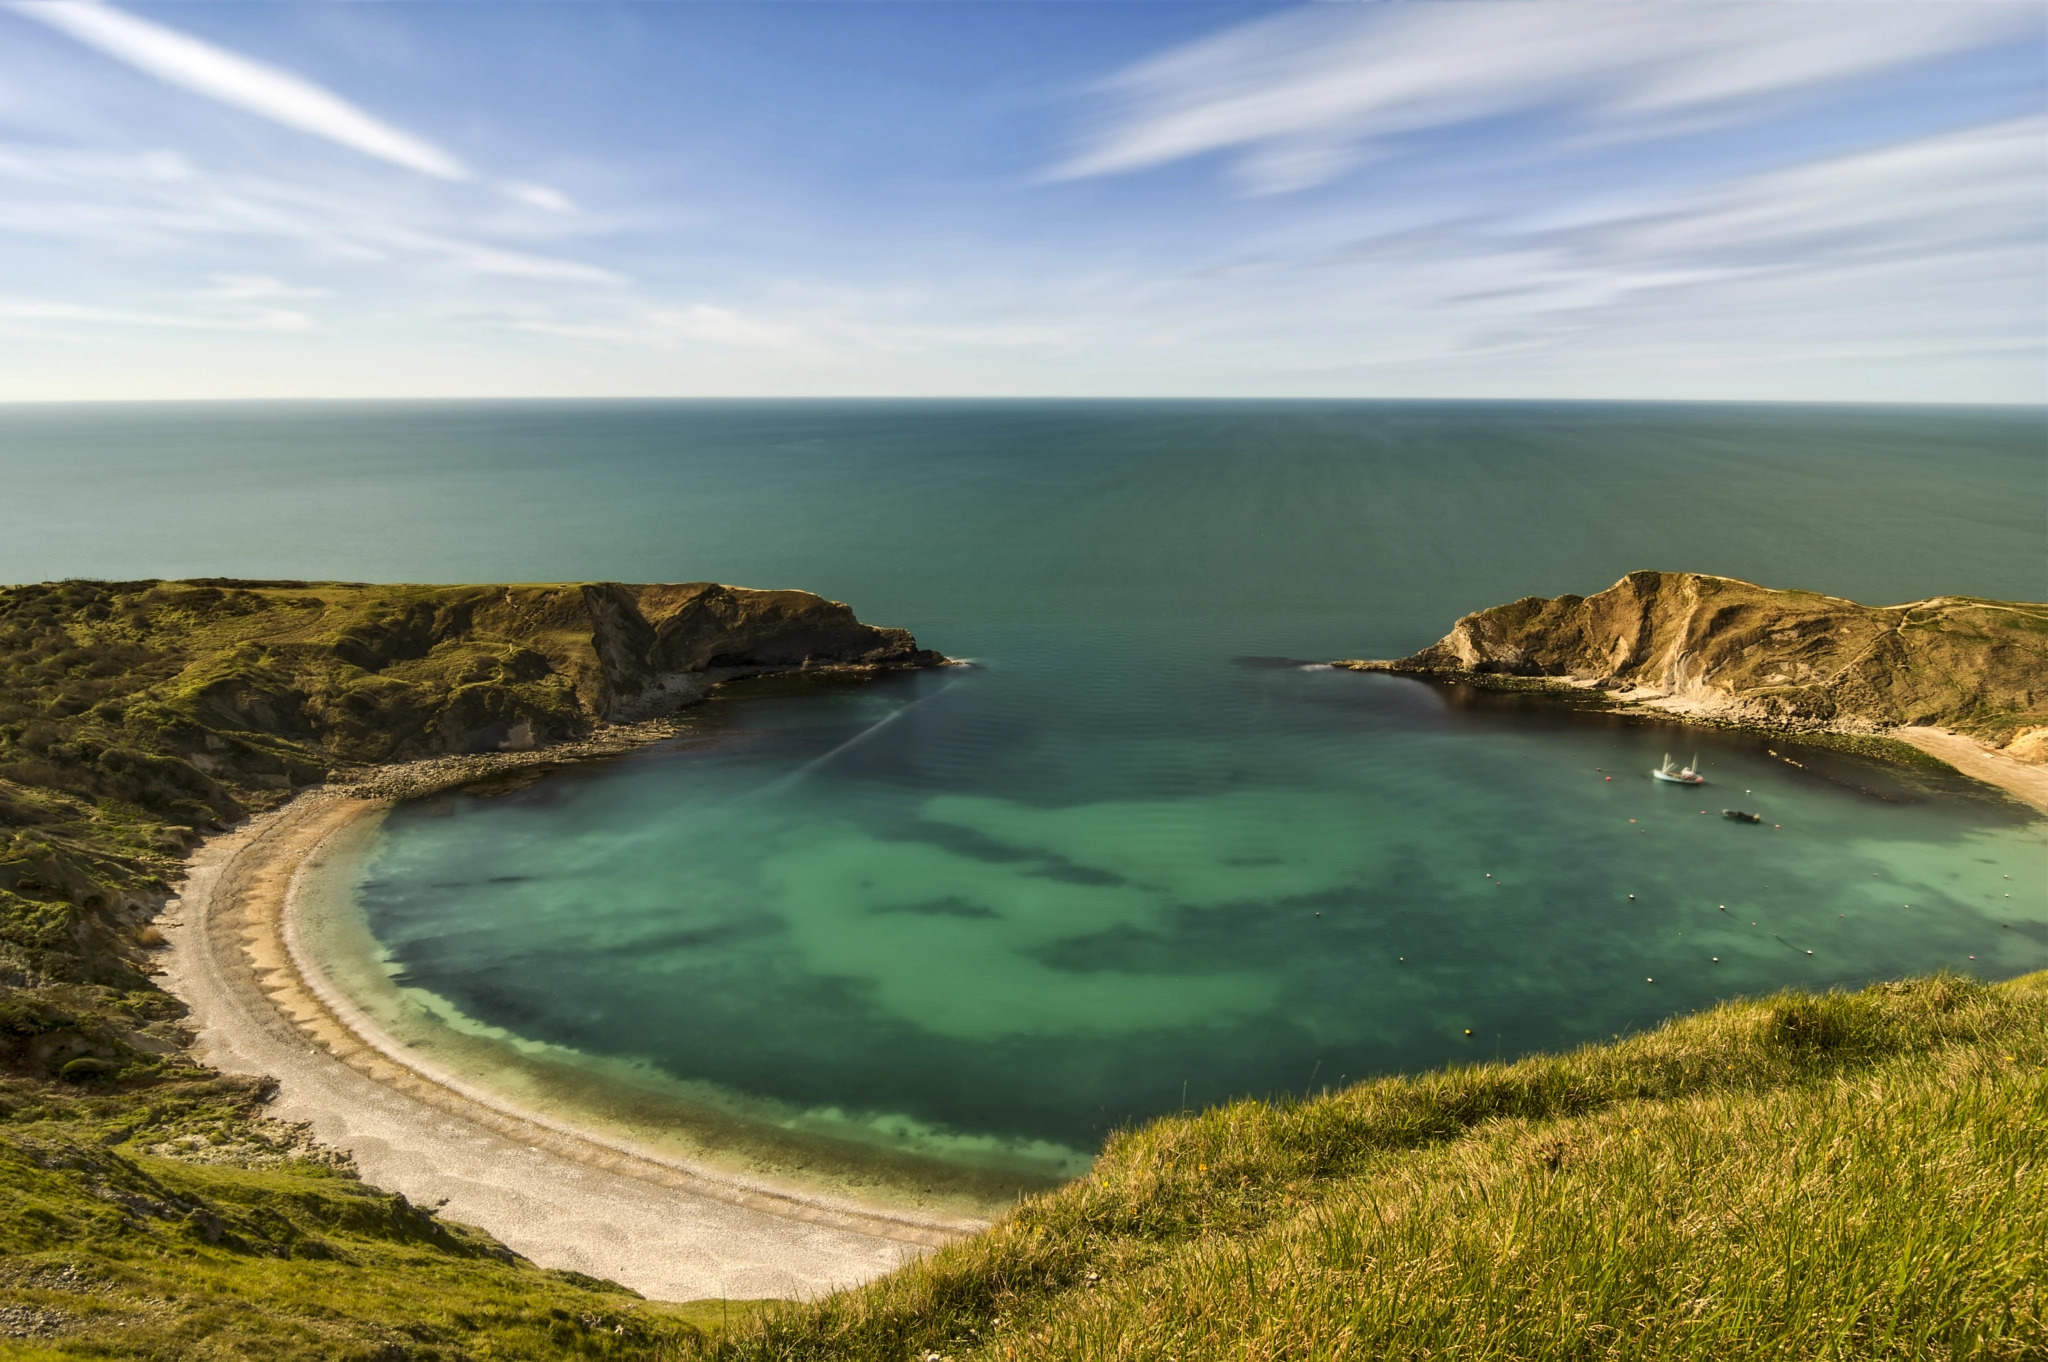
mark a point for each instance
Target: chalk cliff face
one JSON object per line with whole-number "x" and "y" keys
{"x": 1714, "y": 647}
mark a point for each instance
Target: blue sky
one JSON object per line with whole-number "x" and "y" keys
{"x": 1785, "y": 201}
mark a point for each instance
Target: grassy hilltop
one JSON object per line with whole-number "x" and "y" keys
{"x": 1843, "y": 1176}
{"x": 1847, "y": 1176}
{"x": 146, "y": 1208}
{"x": 135, "y": 716}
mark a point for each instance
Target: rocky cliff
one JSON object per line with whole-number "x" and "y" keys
{"x": 189, "y": 698}
{"x": 660, "y": 646}
{"x": 1708, "y": 647}
{"x": 136, "y": 715}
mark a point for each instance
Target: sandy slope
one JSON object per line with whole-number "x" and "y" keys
{"x": 2024, "y": 782}
{"x": 558, "y": 1196}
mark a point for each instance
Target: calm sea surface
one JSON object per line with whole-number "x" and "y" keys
{"x": 1137, "y": 857}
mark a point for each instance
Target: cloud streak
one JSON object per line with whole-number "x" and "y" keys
{"x": 79, "y": 314}
{"x": 1297, "y": 99}
{"x": 1906, "y": 269}
{"x": 1644, "y": 200}
{"x": 252, "y": 86}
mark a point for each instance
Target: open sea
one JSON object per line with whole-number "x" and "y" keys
{"x": 939, "y": 933}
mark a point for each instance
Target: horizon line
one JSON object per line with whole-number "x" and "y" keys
{"x": 2038, "y": 404}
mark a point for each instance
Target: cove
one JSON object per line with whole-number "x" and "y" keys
{"x": 946, "y": 930}
{"x": 891, "y": 912}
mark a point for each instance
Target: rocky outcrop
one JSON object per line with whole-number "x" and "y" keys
{"x": 523, "y": 667}
{"x": 661, "y": 646}
{"x": 1699, "y": 646}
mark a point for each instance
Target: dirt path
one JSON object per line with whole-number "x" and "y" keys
{"x": 561, "y": 1197}
{"x": 2026, "y": 783}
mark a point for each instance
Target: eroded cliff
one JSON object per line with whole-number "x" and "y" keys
{"x": 135, "y": 715}
{"x": 185, "y": 696}
{"x": 1710, "y": 647}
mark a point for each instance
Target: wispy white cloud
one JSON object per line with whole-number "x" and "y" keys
{"x": 80, "y": 314}
{"x": 474, "y": 257}
{"x": 665, "y": 328}
{"x": 257, "y": 287}
{"x": 267, "y": 91}
{"x": 1544, "y": 253}
{"x": 175, "y": 204}
{"x": 1856, "y": 266}
{"x": 1298, "y": 98}
{"x": 537, "y": 196}
{"x": 164, "y": 201}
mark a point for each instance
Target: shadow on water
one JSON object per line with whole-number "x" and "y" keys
{"x": 1903, "y": 776}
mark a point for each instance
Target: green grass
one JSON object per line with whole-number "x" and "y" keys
{"x": 110, "y": 1248}
{"x": 133, "y": 717}
{"x": 1843, "y": 1176}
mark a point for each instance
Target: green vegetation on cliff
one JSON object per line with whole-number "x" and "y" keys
{"x": 1843, "y": 1176}
{"x": 1856, "y": 1175}
{"x": 146, "y": 1207}
{"x": 134, "y": 716}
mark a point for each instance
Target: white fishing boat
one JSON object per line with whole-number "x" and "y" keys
{"x": 1679, "y": 775}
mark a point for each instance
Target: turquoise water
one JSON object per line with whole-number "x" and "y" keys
{"x": 1140, "y": 855}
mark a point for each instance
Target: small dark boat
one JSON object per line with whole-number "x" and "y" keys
{"x": 1741, "y": 817}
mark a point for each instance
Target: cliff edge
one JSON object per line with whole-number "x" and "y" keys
{"x": 136, "y": 715}
{"x": 1703, "y": 647}
{"x": 195, "y": 699}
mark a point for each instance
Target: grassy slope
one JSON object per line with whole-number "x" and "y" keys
{"x": 133, "y": 717}
{"x": 113, "y": 1252}
{"x": 1742, "y": 1182}
{"x": 1856, "y": 1175}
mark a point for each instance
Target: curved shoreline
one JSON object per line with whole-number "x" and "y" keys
{"x": 2024, "y": 782}
{"x": 562, "y": 1196}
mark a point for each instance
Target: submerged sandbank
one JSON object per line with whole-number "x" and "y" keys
{"x": 880, "y": 1162}
{"x": 563, "y": 1196}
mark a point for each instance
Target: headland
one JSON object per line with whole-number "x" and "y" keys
{"x": 261, "y": 721}
{"x": 1961, "y": 679}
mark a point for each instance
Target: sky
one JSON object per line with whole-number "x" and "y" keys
{"x": 1786, "y": 200}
